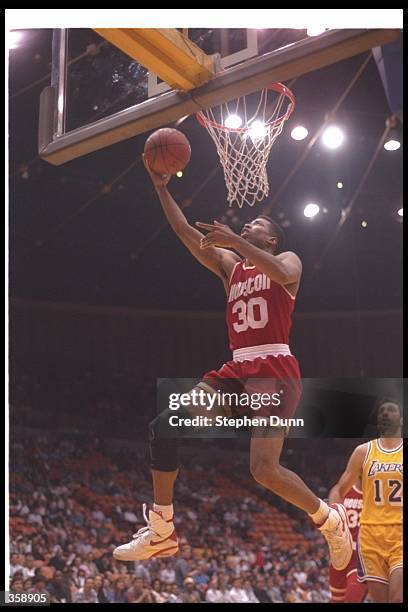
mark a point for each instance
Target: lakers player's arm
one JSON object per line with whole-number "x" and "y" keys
{"x": 350, "y": 475}
{"x": 218, "y": 260}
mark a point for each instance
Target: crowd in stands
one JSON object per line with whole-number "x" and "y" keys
{"x": 74, "y": 498}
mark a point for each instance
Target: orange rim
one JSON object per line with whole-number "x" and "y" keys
{"x": 278, "y": 87}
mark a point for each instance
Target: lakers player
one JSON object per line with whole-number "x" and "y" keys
{"x": 261, "y": 286}
{"x": 379, "y": 545}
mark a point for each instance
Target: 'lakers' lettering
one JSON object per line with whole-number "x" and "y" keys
{"x": 259, "y": 282}
{"x": 377, "y": 467}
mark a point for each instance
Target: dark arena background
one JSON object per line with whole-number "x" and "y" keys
{"x": 104, "y": 300}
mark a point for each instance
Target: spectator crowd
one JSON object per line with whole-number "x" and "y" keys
{"x": 74, "y": 498}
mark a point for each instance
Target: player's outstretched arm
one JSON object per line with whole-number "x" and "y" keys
{"x": 350, "y": 475}
{"x": 218, "y": 260}
{"x": 285, "y": 268}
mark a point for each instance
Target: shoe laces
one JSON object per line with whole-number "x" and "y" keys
{"x": 144, "y": 530}
{"x": 335, "y": 538}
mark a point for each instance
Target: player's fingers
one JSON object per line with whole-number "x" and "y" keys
{"x": 206, "y": 226}
{"x": 153, "y": 174}
{"x": 145, "y": 162}
{"x": 204, "y": 243}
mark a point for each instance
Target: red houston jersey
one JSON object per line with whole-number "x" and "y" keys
{"x": 258, "y": 309}
{"x": 343, "y": 583}
{"x": 353, "y": 503}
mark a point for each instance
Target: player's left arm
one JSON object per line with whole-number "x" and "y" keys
{"x": 350, "y": 475}
{"x": 285, "y": 268}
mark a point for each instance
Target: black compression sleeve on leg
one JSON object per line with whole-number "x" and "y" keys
{"x": 164, "y": 442}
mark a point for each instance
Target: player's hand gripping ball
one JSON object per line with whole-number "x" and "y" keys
{"x": 167, "y": 151}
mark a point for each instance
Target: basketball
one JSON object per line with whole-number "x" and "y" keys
{"x": 167, "y": 151}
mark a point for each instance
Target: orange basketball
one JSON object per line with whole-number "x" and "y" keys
{"x": 167, "y": 151}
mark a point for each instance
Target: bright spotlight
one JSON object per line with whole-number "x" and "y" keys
{"x": 364, "y": 224}
{"x": 14, "y": 39}
{"x": 339, "y": 185}
{"x": 311, "y": 210}
{"x": 332, "y": 137}
{"x": 392, "y": 145}
{"x": 257, "y": 131}
{"x": 315, "y": 31}
{"x": 179, "y": 174}
{"x": 299, "y": 133}
{"x": 400, "y": 212}
{"x": 233, "y": 121}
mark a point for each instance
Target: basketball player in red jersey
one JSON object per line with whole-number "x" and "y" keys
{"x": 261, "y": 286}
{"x": 344, "y": 586}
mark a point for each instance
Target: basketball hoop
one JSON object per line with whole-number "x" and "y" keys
{"x": 244, "y": 142}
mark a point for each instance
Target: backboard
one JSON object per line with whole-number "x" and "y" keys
{"x": 100, "y": 94}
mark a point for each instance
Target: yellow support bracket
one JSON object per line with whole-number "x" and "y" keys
{"x": 166, "y": 52}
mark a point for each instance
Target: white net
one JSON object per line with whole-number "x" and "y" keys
{"x": 244, "y": 139}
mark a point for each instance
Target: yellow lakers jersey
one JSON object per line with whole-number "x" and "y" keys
{"x": 382, "y": 485}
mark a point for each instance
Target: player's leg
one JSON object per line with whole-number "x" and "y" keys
{"x": 163, "y": 486}
{"x": 159, "y": 538}
{"x": 378, "y": 591}
{"x": 356, "y": 591}
{"x": 395, "y": 560}
{"x": 267, "y": 471}
{"x": 266, "y": 447}
{"x": 164, "y": 449}
{"x": 337, "y": 596}
{"x": 338, "y": 585}
{"x": 372, "y": 561}
{"x": 395, "y": 586}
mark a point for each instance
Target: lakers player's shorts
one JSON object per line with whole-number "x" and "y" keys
{"x": 273, "y": 374}
{"x": 379, "y": 549}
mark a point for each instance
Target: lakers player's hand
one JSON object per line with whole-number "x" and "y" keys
{"x": 218, "y": 235}
{"x": 158, "y": 180}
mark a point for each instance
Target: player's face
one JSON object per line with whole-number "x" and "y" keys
{"x": 389, "y": 418}
{"x": 257, "y": 232}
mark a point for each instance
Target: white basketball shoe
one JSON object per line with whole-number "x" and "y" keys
{"x": 337, "y": 533}
{"x": 157, "y": 539}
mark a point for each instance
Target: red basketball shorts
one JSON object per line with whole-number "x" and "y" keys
{"x": 273, "y": 375}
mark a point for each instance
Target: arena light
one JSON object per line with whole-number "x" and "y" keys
{"x": 299, "y": 132}
{"x": 179, "y": 174}
{"x": 233, "y": 121}
{"x": 392, "y": 144}
{"x": 332, "y": 137}
{"x": 393, "y": 140}
{"x": 315, "y": 30}
{"x": 364, "y": 224}
{"x": 311, "y": 210}
{"x": 14, "y": 38}
{"x": 257, "y": 131}
{"x": 400, "y": 212}
{"x": 339, "y": 185}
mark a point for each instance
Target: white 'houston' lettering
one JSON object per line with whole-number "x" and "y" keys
{"x": 258, "y": 283}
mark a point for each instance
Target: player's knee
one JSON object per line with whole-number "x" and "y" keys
{"x": 164, "y": 450}
{"x": 265, "y": 472}
{"x": 395, "y": 597}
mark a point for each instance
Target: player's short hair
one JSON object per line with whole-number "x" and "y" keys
{"x": 277, "y": 231}
{"x": 387, "y": 400}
